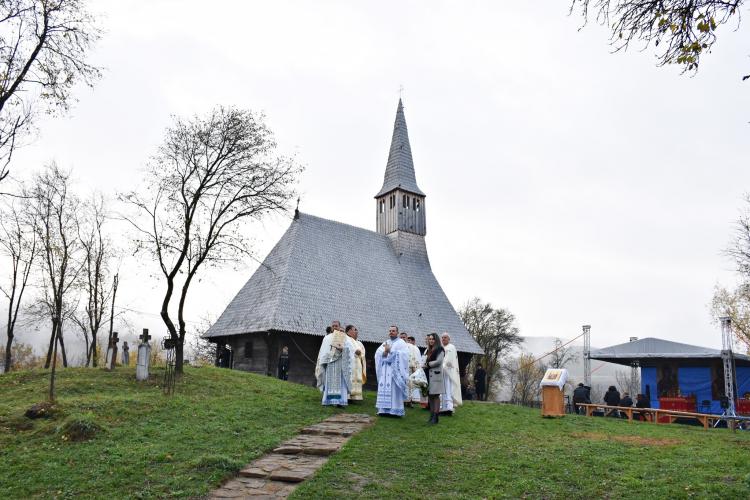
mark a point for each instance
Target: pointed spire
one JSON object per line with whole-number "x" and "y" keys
{"x": 399, "y": 171}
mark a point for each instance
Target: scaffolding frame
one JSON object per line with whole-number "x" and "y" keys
{"x": 587, "y": 355}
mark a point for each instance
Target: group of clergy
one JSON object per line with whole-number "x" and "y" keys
{"x": 341, "y": 371}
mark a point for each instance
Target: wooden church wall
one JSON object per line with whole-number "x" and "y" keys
{"x": 259, "y": 353}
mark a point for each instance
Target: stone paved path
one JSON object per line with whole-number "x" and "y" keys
{"x": 276, "y": 474}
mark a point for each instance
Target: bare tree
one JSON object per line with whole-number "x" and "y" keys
{"x": 739, "y": 249}
{"x": 680, "y": 30}
{"x": 524, "y": 377}
{"x": 203, "y": 351}
{"x": 98, "y": 282}
{"x": 56, "y": 210}
{"x": 736, "y": 305}
{"x": 23, "y": 356}
{"x": 597, "y": 393}
{"x": 628, "y": 380}
{"x": 562, "y": 355}
{"x": 208, "y": 177}
{"x": 495, "y": 332}
{"x": 18, "y": 243}
{"x": 43, "y": 50}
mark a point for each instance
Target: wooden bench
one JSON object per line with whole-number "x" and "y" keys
{"x": 651, "y": 414}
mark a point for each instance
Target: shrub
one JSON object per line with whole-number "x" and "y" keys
{"x": 44, "y": 409}
{"x": 81, "y": 427}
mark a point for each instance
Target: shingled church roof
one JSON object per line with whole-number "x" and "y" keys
{"x": 399, "y": 171}
{"x": 322, "y": 270}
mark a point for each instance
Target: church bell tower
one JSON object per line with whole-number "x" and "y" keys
{"x": 400, "y": 204}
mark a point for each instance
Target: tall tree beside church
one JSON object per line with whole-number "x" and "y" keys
{"x": 495, "y": 332}
{"x": 43, "y": 51}
{"x": 210, "y": 175}
{"x": 18, "y": 249}
{"x": 681, "y": 31}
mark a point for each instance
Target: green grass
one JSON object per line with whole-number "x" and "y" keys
{"x": 149, "y": 445}
{"x": 145, "y": 445}
{"x": 498, "y": 451}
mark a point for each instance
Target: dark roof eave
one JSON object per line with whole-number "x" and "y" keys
{"x": 316, "y": 334}
{"x": 385, "y": 191}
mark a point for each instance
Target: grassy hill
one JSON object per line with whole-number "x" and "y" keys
{"x": 183, "y": 446}
{"x": 150, "y": 445}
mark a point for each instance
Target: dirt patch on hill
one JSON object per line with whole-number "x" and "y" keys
{"x": 634, "y": 440}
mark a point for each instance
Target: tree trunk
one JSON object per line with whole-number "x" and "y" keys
{"x": 94, "y": 354}
{"x": 178, "y": 357}
{"x": 62, "y": 345}
{"x": 51, "y": 345}
{"x": 112, "y": 313}
{"x": 8, "y": 346}
{"x": 88, "y": 349}
{"x": 52, "y": 372}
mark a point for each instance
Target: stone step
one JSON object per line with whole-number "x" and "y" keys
{"x": 276, "y": 474}
{"x": 333, "y": 428}
{"x": 350, "y": 418}
{"x": 312, "y": 444}
{"x": 253, "y": 488}
{"x": 287, "y": 468}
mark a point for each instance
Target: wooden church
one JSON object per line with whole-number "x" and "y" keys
{"x": 322, "y": 270}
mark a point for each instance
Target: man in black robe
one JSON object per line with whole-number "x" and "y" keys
{"x": 480, "y": 383}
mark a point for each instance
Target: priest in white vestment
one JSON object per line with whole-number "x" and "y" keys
{"x": 359, "y": 369}
{"x": 415, "y": 363}
{"x": 452, "y": 376}
{"x": 392, "y": 370}
{"x": 333, "y": 370}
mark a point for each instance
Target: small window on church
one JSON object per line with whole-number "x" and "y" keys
{"x": 413, "y": 203}
{"x": 405, "y": 201}
{"x": 417, "y": 205}
{"x": 382, "y": 206}
{"x": 248, "y": 350}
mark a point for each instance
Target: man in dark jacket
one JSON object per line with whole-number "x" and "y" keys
{"x": 641, "y": 402}
{"x": 480, "y": 383}
{"x": 612, "y": 398}
{"x": 580, "y": 396}
{"x": 626, "y": 400}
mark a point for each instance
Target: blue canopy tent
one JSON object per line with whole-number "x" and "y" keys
{"x": 669, "y": 368}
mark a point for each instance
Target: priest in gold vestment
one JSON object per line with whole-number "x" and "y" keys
{"x": 359, "y": 368}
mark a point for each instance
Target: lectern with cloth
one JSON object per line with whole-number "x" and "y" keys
{"x": 552, "y": 385}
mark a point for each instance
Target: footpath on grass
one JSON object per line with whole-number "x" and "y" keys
{"x": 278, "y": 473}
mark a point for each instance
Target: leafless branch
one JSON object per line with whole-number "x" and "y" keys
{"x": 680, "y": 30}
{"x": 210, "y": 175}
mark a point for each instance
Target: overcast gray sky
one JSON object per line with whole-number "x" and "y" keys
{"x": 565, "y": 183}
